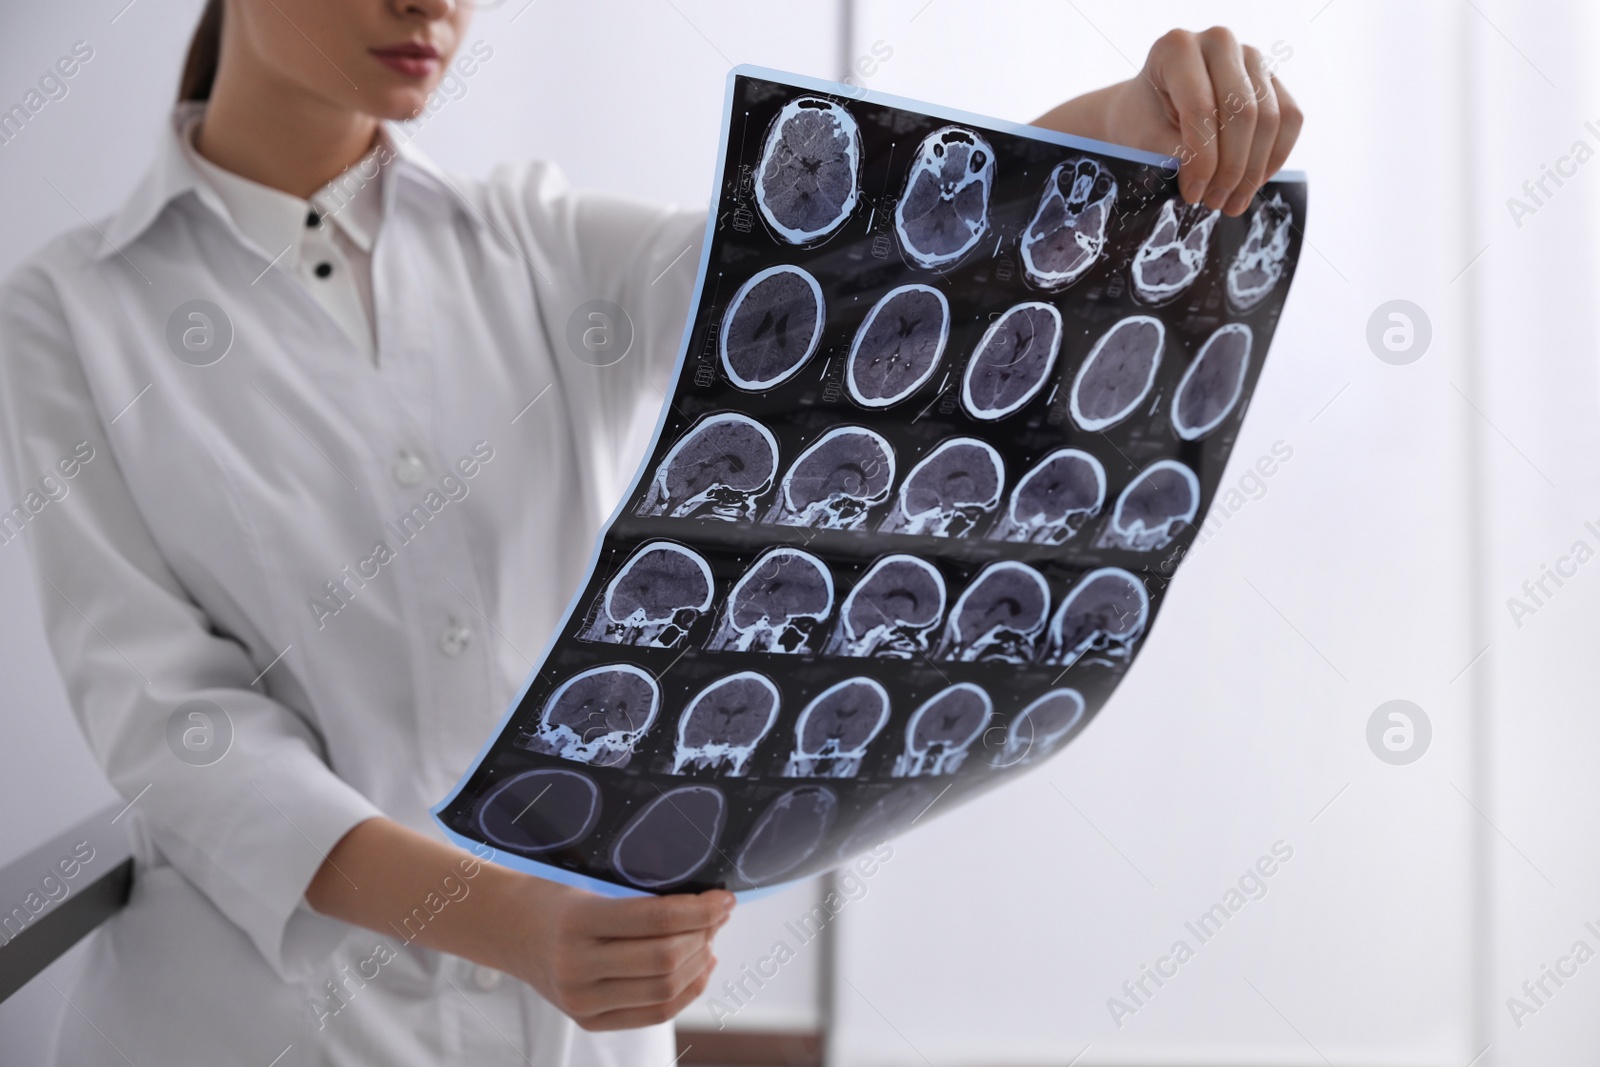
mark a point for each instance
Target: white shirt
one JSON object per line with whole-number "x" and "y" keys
{"x": 326, "y": 242}
{"x": 222, "y": 543}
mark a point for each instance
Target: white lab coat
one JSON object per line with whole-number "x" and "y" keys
{"x": 221, "y": 542}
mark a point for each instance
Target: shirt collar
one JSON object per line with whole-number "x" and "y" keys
{"x": 355, "y": 200}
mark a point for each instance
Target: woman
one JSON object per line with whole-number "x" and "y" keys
{"x": 337, "y": 467}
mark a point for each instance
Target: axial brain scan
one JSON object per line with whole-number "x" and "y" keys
{"x": 893, "y": 508}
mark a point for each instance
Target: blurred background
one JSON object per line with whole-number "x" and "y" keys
{"x": 1428, "y": 479}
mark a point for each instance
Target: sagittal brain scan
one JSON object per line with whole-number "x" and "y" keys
{"x": 808, "y": 178}
{"x": 837, "y": 481}
{"x": 949, "y": 491}
{"x": 1068, "y": 231}
{"x": 776, "y": 605}
{"x": 1013, "y": 361}
{"x": 598, "y": 715}
{"x": 953, "y": 398}
{"x": 944, "y": 211}
{"x": 1119, "y": 372}
{"x": 1054, "y": 500}
{"x": 772, "y": 326}
{"x": 1174, "y": 254}
{"x": 898, "y": 346}
{"x": 717, "y": 470}
{"x": 1213, "y": 383}
{"x": 1154, "y": 508}
{"x": 657, "y": 596}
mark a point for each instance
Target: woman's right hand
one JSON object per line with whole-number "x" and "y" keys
{"x": 614, "y": 964}
{"x": 609, "y": 964}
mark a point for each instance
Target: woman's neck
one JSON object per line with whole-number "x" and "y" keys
{"x": 263, "y": 128}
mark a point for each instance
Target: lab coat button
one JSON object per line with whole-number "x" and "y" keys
{"x": 408, "y": 469}
{"x": 454, "y": 641}
{"x": 485, "y": 978}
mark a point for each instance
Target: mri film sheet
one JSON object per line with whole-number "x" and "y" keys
{"x": 953, "y": 400}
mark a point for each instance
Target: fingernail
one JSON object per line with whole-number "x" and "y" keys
{"x": 1196, "y": 194}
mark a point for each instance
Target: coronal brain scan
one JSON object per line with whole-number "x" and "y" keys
{"x": 1102, "y": 617}
{"x": 950, "y": 405}
{"x": 1213, "y": 383}
{"x": 808, "y": 179}
{"x": 999, "y": 616}
{"x": 772, "y": 326}
{"x": 942, "y": 729}
{"x": 1054, "y": 500}
{"x": 1118, "y": 373}
{"x": 598, "y": 715}
{"x": 1040, "y": 726}
{"x": 654, "y": 599}
{"x": 671, "y": 837}
{"x": 950, "y": 491}
{"x": 1171, "y": 258}
{"x": 717, "y": 470}
{"x": 1154, "y": 508}
{"x": 724, "y": 723}
{"x": 944, "y": 211}
{"x": 776, "y": 605}
{"x": 898, "y": 346}
{"x": 1068, "y": 231}
{"x": 836, "y": 481}
{"x": 1259, "y": 263}
{"x": 833, "y": 732}
{"x": 1013, "y": 361}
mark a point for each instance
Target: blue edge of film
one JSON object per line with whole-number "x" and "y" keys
{"x": 819, "y": 85}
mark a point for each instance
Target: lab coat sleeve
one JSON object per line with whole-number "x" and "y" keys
{"x": 250, "y": 829}
{"x": 643, "y": 257}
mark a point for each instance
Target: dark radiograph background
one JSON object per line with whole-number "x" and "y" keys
{"x": 955, "y": 402}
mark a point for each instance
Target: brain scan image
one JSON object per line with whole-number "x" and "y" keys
{"x": 833, "y": 732}
{"x": 1260, "y": 261}
{"x": 999, "y": 616}
{"x": 671, "y": 838}
{"x": 942, "y": 730}
{"x": 898, "y": 345}
{"x": 807, "y": 182}
{"x": 1013, "y": 361}
{"x": 1041, "y": 726}
{"x": 1068, "y": 231}
{"x": 1118, "y": 373}
{"x": 950, "y": 491}
{"x": 771, "y": 327}
{"x": 776, "y": 605}
{"x": 786, "y": 834}
{"x": 718, "y": 469}
{"x": 944, "y": 211}
{"x": 724, "y": 723}
{"x": 1171, "y": 258}
{"x": 833, "y": 484}
{"x": 1051, "y": 503}
{"x": 890, "y": 815}
{"x": 1100, "y": 619}
{"x": 891, "y": 611}
{"x": 540, "y": 811}
{"x": 658, "y": 594}
{"x": 1213, "y": 383}
{"x": 597, "y": 716}
{"x": 1154, "y": 508}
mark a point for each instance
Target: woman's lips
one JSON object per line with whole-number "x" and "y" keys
{"x": 410, "y": 59}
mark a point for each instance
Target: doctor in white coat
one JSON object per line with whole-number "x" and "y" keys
{"x": 334, "y": 467}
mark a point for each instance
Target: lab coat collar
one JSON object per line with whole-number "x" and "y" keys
{"x": 173, "y": 173}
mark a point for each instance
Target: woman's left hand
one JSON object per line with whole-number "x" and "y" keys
{"x": 1205, "y": 98}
